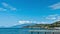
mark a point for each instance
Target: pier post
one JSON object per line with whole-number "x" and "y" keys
{"x": 45, "y": 32}
{"x": 53, "y": 32}
{"x": 38, "y": 32}
{"x": 31, "y": 32}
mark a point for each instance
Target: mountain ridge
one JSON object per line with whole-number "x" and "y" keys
{"x": 19, "y": 26}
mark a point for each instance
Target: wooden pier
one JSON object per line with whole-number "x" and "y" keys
{"x": 45, "y": 31}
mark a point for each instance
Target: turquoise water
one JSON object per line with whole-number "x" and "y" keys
{"x": 16, "y": 30}
{"x": 20, "y": 31}
{"x": 9, "y": 31}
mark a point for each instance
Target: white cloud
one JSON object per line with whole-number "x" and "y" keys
{"x": 55, "y": 6}
{"x": 46, "y": 20}
{"x": 14, "y": 9}
{"x": 23, "y": 22}
{"x": 2, "y": 9}
{"x": 58, "y": 18}
{"x": 43, "y": 22}
{"x": 7, "y": 6}
{"x": 52, "y": 17}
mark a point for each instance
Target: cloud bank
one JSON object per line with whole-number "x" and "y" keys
{"x": 54, "y": 18}
{"x": 29, "y": 22}
{"x": 7, "y": 7}
{"x": 55, "y": 6}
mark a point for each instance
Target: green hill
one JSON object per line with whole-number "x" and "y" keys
{"x": 48, "y": 26}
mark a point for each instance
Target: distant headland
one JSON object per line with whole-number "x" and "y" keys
{"x": 55, "y": 25}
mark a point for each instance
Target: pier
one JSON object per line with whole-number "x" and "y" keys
{"x": 45, "y": 31}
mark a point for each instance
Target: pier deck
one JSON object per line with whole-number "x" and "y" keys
{"x": 45, "y": 31}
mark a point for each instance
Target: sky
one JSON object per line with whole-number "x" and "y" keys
{"x": 16, "y": 12}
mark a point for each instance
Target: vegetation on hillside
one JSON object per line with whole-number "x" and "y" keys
{"x": 48, "y": 26}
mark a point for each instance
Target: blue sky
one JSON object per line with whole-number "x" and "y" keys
{"x": 13, "y": 12}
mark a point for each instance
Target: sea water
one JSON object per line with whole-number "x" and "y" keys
{"x": 17, "y": 30}
{"x": 20, "y": 31}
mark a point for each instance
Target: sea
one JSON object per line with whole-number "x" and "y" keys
{"x": 21, "y": 31}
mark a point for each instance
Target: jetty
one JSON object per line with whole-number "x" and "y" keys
{"x": 45, "y": 31}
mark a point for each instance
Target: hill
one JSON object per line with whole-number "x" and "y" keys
{"x": 48, "y": 26}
